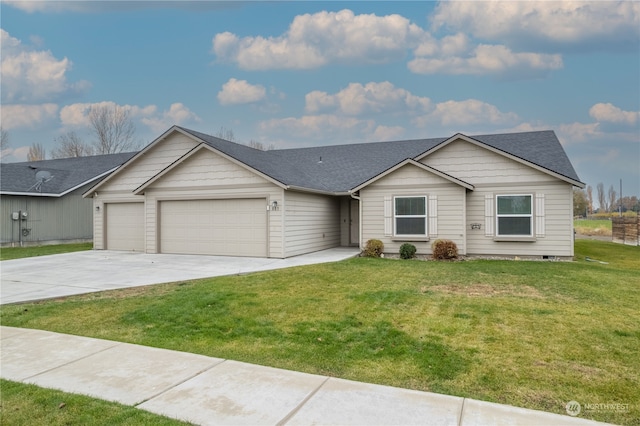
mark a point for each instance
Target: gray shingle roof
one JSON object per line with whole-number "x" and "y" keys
{"x": 339, "y": 168}
{"x": 67, "y": 173}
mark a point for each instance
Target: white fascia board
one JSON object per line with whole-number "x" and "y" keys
{"x": 192, "y": 152}
{"x": 412, "y": 162}
{"x": 499, "y": 152}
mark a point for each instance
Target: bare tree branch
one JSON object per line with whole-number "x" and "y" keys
{"x": 613, "y": 197}
{"x": 113, "y": 129}
{"x": 36, "y": 152}
{"x": 602, "y": 201}
{"x": 70, "y": 145}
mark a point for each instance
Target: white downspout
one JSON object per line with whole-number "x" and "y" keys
{"x": 355, "y": 197}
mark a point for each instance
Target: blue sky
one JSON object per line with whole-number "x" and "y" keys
{"x": 296, "y": 74}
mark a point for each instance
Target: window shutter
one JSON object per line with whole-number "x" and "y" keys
{"x": 540, "y": 231}
{"x": 488, "y": 215}
{"x": 433, "y": 215}
{"x": 388, "y": 215}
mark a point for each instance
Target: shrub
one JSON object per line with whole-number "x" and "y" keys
{"x": 373, "y": 248}
{"x": 407, "y": 251}
{"x": 444, "y": 249}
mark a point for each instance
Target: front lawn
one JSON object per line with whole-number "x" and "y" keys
{"x": 529, "y": 334}
{"x": 24, "y": 404}
{"x": 8, "y": 253}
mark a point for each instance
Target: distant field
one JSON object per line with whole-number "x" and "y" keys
{"x": 593, "y": 227}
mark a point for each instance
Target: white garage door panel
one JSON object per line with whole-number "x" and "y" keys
{"x": 125, "y": 226}
{"x": 235, "y": 227}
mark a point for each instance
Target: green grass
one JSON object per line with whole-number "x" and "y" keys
{"x": 8, "y": 253}
{"x": 593, "y": 227}
{"x": 24, "y": 404}
{"x": 529, "y": 334}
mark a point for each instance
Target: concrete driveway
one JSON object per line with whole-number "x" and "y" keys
{"x": 47, "y": 277}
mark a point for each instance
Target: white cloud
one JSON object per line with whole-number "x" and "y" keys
{"x": 467, "y": 112}
{"x": 612, "y": 114}
{"x": 373, "y": 97}
{"x": 313, "y": 128}
{"x": 16, "y": 116}
{"x": 178, "y": 114}
{"x": 578, "y": 132}
{"x": 240, "y": 92}
{"x": 587, "y": 24}
{"x": 33, "y": 76}
{"x": 313, "y": 40}
{"x": 77, "y": 115}
{"x": 485, "y": 59}
{"x": 388, "y": 133}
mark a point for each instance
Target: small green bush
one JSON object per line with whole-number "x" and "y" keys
{"x": 444, "y": 249}
{"x": 407, "y": 251}
{"x": 373, "y": 248}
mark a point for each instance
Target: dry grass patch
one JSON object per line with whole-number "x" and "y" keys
{"x": 485, "y": 290}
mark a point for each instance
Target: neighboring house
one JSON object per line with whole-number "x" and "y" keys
{"x": 41, "y": 201}
{"x": 188, "y": 192}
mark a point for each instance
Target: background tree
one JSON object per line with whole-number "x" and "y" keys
{"x": 611, "y": 199}
{"x": 590, "y": 199}
{"x": 36, "y": 152}
{"x": 70, "y": 145}
{"x": 602, "y": 199}
{"x": 4, "y": 141}
{"x": 227, "y": 134}
{"x": 580, "y": 203}
{"x": 113, "y": 129}
{"x": 259, "y": 145}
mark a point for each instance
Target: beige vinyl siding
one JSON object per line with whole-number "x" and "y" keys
{"x": 492, "y": 174}
{"x": 149, "y": 164}
{"x": 312, "y": 222}
{"x": 413, "y": 181}
{"x": 49, "y": 219}
{"x": 478, "y": 166}
{"x": 558, "y": 221}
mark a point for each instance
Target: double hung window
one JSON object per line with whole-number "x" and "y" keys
{"x": 410, "y": 216}
{"x": 514, "y": 215}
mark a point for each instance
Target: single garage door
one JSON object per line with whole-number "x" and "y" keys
{"x": 125, "y": 226}
{"x": 233, "y": 227}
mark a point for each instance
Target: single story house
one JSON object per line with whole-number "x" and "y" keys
{"x": 41, "y": 201}
{"x": 192, "y": 193}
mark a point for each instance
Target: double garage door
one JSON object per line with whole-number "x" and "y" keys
{"x": 231, "y": 227}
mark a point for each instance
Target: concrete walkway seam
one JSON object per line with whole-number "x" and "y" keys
{"x": 168, "y": 388}
{"x": 293, "y": 412}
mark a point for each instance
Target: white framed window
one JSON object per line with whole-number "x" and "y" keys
{"x": 410, "y": 216}
{"x": 514, "y": 215}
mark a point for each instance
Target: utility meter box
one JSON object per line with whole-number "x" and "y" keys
{"x": 15, "y": 215}
{"x": 24, "y": 215}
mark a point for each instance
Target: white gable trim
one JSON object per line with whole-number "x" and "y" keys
{"x": 460, "y": 136}
{"x": 203, "y": 146}
{"x": 424, "y": 167}
{"x": 142, "y": 152}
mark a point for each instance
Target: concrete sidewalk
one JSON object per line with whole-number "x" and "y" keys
{"x": 213, "y": 391}
{"x": 59, "y": 275}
